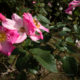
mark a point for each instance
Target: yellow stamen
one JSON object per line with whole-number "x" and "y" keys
{"x": 2, "y": 36}
{"x": 36, "y": 23}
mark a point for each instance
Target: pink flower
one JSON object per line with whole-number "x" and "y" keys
{"x": 2, "y": 17}
{"x": 7, "y": 38}
{"x": 72, "y": 6}
{"x": 25, "y": 26}
{"x": 16, "y": 24}
{"x": 34, "y": 2}
{"x": 33, "y": 27}
{"x": 49, "y": 4}
{"x": 69, "y": 10}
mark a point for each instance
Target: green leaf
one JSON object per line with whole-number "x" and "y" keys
{"x": 43, "y": 11}
{"x": 62, "y": 33}
{"x": 71, "y": 48}
{"x": 18, "y": 50}
{"x": 76, "y": 28}
{"x": 22, "y": 61}
{"x": 70, "y": 66}
{"x": 51, "y": 27}
{"x": 60, "y": 25}
{"x": 45, "y": 59}
{"x": 62, "y": 48}
{"x": 66, "y": 29}
{"x": 43, "y": 19}
{"x": 69, "y": 39}
{"x": 26, "y": 43}
{"x": 34, "y": 71}
{"x": 32, "y": 65}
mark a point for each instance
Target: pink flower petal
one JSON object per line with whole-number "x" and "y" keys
{"x": 35, "y": 37}
{"x": 18, "y": 20}
{"x": 28, "y": 16}
{"x": 69, "y": 10}
{"x": 12, "y": 36}
{"x": 2, "y": 17}
{"x": 74, "y": 3}
{"x": 40, "y": 34}
{"x": 21, "y": 38}
{"x": 29, "y": 27}
{"x": 9, "y": 24}
{"x": 15, "y": 24}
{"x": 72, "y": 6}
{"x": 6, "y": 48}
{"x": 34, "y": 2}
{"x": 43, "y": 28}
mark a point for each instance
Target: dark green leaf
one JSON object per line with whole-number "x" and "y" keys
{"x": 43, "y": 11}
{"x": 22, "y": 61}
{"x": 60, "y": 25}
{"x": 62, "y": 33}
{"x": 43, "y": 19}
{"x": 70, "y": 66}
{"x": 45, "y": 59}
{"x": 76, "y": 28}
{"x": 66, "y": 29}
{"x": 69, "y": 39}
{"x": 71, "y": 48}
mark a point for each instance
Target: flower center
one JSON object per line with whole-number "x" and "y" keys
{"x": 22, "y": 29}
{"x": 2, "y": 36}
{"x": 36, "y": 23}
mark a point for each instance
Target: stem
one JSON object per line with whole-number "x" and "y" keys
{"x": 14, "y": 61}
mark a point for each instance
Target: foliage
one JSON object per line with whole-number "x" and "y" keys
{"x": 57, "y": 46}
